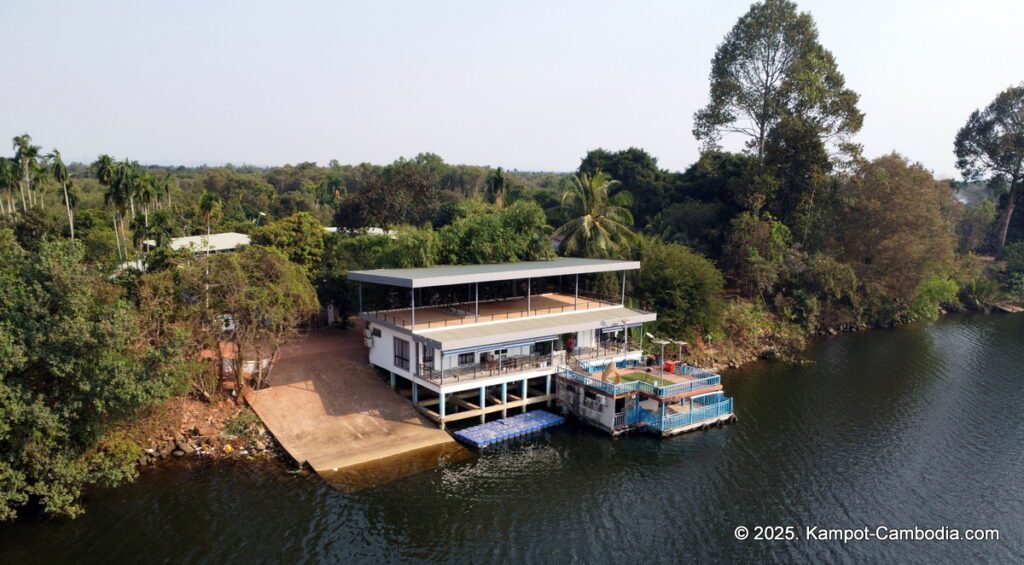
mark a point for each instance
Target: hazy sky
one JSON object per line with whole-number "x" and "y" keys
{"x": 527, "y": 85}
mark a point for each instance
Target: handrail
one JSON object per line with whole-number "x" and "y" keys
{"x": 641, "y": 386}
{"x": 673, "y": 421}
{"x": 514, "y": 364}
{"x": 508, "y": 315}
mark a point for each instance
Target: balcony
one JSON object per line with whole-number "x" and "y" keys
{"x": 683, "y": 415}
{"x": 494, "y": 368}
{"x": 460, "y": 313}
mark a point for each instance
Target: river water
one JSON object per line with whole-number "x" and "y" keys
{"x": 919, "y": 426}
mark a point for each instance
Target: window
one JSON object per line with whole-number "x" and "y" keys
{"x": 428, "y": 355}
{"x": 376, "y": 332}
{"x": 401, "y": 354}
{"x": 466, "y": 358}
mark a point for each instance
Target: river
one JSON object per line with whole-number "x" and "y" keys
{"x": 918, "y": 426}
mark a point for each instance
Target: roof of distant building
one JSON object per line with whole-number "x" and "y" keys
{"x": 218, "y": 242}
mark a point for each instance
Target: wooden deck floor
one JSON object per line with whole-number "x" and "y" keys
{"x": 328, "y": 408}
{"x": 539, "y": 305}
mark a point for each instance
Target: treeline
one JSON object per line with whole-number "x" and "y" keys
{"x": 743, "y": 253}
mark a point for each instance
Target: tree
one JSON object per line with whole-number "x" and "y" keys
{"x": 209, "y": 206}
{"x": 8, "y": 180}
{"x": 107, "y": 172}
{"x": 267, "y": 298}
{"x": 495, "y": 188}
{"x": 975, "y": 225}
{"x": 770, "y": 66}
{"x": 638, "y": 174}
{"x": 991, "y": 144}
{"x": 299, "y": 236}
{"x": 483, "y": 233}
{"x": 27, "y": 156}
{"x": 755, "y": 252}
{"x": 897, "y": 230}
{"x": 60, "y": 174}
{"x": 682, "y": 286}
{"x": 598, "y": 225}
{"x": 72, "y": 365}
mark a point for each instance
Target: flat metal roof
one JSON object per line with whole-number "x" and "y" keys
{"x": 461, "y": 274}
{"x": 473, "y": 335}
{"x": 217, "y": 242}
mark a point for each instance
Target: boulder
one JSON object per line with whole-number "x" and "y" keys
{"x": 204, "y": 430}
{"x": 259, "y": 445}
{"x": 178, "y": 453}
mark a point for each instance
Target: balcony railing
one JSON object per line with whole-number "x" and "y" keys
{"x": 640, "y": 386}
{"x": 669, "y": 422}
{"x": 464, "y": 312}
{"x": 517, "y": 364}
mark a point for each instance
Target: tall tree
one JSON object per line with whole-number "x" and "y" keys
{"x": 496, "y": 187}
{"x": 105, "y": 169}
{"x": 599, "y": 224}
{"x": 771, "y": 65}
{"x": 60, "y": 174}
{"x": 991, "y": 144}
{"x": 26, "y": 155}
{"x": 8, "y": 179}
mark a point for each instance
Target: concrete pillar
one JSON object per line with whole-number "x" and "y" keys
{"x": 415, "y": 393}
{"x": 504, "y": 399}
{"x": 440, "y": 408}
{"x": 392, "y": 379}
{"x": 547, "y": 388}
{"x": 483, "y": 404}
{"x": 524, "y": 396}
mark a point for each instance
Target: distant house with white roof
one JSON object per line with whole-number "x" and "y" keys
{"x": 217, "y": 243}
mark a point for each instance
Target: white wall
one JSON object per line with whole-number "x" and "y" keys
{"x": 382, "y": 353}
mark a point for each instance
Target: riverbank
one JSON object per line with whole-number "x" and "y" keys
{"x": 184, "y": 427}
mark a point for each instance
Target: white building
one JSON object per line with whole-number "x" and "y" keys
{"x": 475, "y": 339}
{"x": 216, "y": 243}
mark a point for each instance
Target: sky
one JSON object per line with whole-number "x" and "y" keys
{"x": 528, "y": 85}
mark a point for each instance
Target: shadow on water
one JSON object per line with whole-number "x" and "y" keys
{"x": 373, "y": 474}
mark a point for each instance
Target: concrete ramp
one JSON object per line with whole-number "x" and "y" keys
{"x": 328, "y": 408}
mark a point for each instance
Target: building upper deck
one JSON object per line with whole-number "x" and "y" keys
{"x": 457, "y": 314}
{"x": 444, "y": 275}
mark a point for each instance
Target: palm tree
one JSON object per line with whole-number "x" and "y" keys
{"x": 108, "y": 173}
{"x": 144, "y": 189}
{"x": 8, "y": 178}
{"x": 496, "y": 186}
{"x": 60, "y": 174}
{"x": 599, "y": 224}
{"x": 209, "y": 203}
{"x": 40, "y": 180}
{"x": 26, "y": 156}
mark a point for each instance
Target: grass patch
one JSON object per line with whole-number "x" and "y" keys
{"x": 644, "y": 377}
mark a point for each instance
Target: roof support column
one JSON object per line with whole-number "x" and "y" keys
{"x": 576, "y": 294}
{"x": 412, "y": 292}
{"x": 623, "y": 288}
{"x": 360, "y": 298}
{"x": 476, "y": 315}
{"x": 528, "y": 304}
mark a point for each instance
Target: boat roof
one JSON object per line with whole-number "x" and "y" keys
{"x": 442, "y": 275}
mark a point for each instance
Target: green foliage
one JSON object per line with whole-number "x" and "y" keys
{"x": 72, "y": 364}
{"x": 484, "y": 234}
{"x": 756, "y": 250}
{"x": 991, "y": 145}
{"x": 683, "y": 287}
{"x": 897, "y": 230}
{"x": 243, "y": 424}
{"x": 598, "y": 220}
{"x": 1015, "y": 286}
{"x": 933, "y": 293}
{"x": 771, "y": 66}
{"x": 1013, "y": 254}
{"x": 981, "y": 293}
{"x": 299, "y": 236}
{"x": 975, "y": 225}
{"x": 638, "y": 174}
